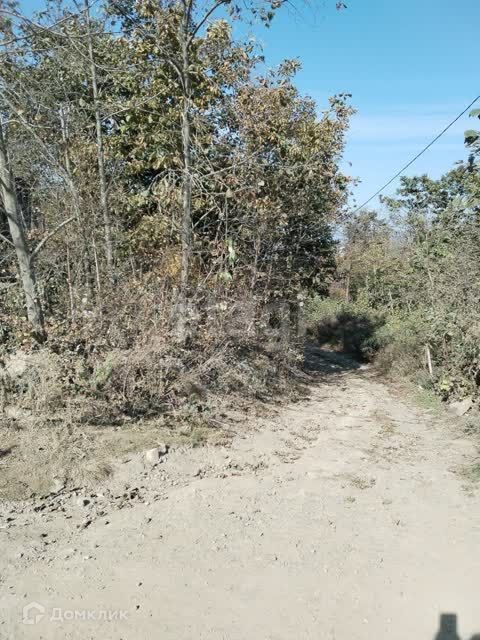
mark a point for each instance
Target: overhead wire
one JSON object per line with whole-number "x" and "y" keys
{"x": 409, "y": 164}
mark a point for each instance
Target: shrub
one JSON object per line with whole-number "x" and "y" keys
{"x": 345, "y": 326}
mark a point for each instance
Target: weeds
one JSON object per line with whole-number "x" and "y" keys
{"x": 70, "y": 413}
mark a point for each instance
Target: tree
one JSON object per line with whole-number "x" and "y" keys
{"x": 100, "y": 146}
{"x": 186, "y": 20}
{"x": 159, "y": 143}
{"x": 420, "y": 272}
{"x": 17, "y": 233}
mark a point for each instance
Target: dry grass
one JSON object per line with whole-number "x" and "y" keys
{"x": 36, "y": 455}
{"x": 69, "y": 417}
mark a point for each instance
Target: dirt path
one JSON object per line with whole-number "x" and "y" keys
{"x": 341, "y": 518}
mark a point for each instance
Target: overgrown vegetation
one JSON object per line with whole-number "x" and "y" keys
{"x": 408, "y": 286}
{"x": 168, "y": 205}
{"x": 345, "y": 326}
{"x": 161, "y": 189}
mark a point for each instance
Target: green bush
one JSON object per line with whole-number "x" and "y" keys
{"x": 397, "y": 341}
{"x": 349, "y": 327}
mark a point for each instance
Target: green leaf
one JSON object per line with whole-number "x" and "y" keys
{"x": 471, "y": 136}
{"x": 475, "y": 113}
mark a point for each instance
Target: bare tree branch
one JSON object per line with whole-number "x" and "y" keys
{"x": 50, "y": 235}
{"x": 2, "y": 237}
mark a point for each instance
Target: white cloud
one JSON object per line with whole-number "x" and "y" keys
{"x": 405, "y": 125}
{"x": 381, "y": 141}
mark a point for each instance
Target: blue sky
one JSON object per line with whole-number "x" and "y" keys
{"x": 410, "y": 65}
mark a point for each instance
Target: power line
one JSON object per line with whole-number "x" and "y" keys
{"x": 417, "y": 156}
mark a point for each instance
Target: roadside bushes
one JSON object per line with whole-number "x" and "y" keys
{"x": 403, "y": 341}
{"x": 410, "y": 339}
{"x": 105, "y": 375}
{"x": 35, "y": 380}
{"x": 419, "y": 271}
{"x": 345, "y": 326}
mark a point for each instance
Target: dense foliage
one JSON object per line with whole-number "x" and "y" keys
{"x": 228, "y": 186}
{"x": 415, "y": 276}
{"x": 161, "y": 190}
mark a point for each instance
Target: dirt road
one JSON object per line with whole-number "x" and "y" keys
{"x": 342, "y": 517}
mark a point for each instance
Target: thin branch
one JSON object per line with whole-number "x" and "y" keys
{"x": 2, "y": 237}
{"x": 50, "y": 235}
{"x": 205, "y": 18}
{"x": 36, "y": 25}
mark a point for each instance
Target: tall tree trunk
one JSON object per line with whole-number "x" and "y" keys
{"x": 81, "y": 222}
{"x": 25, "y": 266}
{"x": 186, "y": 228}
{"x": 107, "y": 222}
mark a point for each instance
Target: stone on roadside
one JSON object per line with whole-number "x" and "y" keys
{"x": 461, "y": 407}
{"x": 153, "y": 456}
